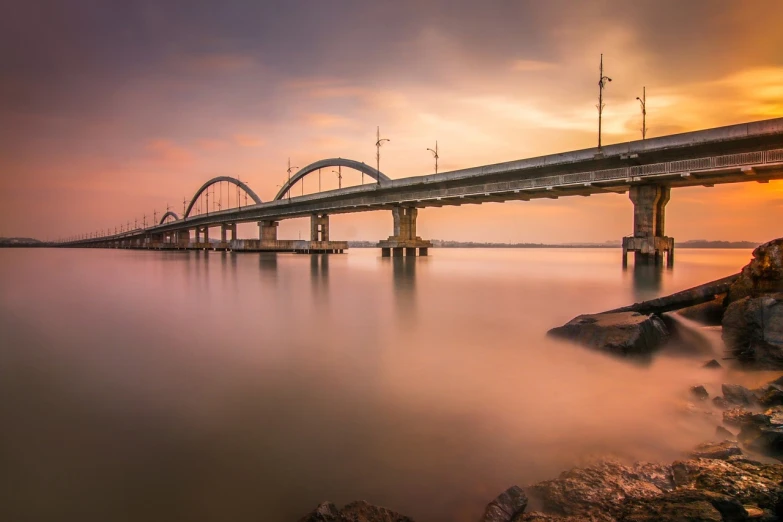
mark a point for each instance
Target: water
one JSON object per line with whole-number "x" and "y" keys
{"x": 219, "y": 387}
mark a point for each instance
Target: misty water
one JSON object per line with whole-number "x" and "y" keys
{"x": 250, "y": 387}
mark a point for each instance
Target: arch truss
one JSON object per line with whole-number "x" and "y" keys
{"x": 332, "y": 162}
{"x": 219, "y": 179}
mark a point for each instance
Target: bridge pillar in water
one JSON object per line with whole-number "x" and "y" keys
{"x": 404, "y": 239}
{"x": 183, "y": 238}
{"x": 649, "y": 243}
{"x": 319, "y": 227}
{"x": 228, "y": 228}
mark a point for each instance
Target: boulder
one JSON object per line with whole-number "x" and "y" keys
{"x": 716, "y": 450}
{"x": 753, "y": 331}
{"x": 763, "y": 275}
{"x": 686, "y": 504}
{"x": 736, "y": 394}
{"x": 621, "y": 333}
{"x": 359, "y": 511}
{"x": 325, "y": 512}
{"x": 749, "y": 482}
{"x": 721, "y": 403}
{"x": 709, "y": 313}
{"x": 507, "y": 506}
{"x": 736, "y": 416}
{"x": 700, "y": 392}
{"x": 769, "y": 395}
{"x": 598, "y": 492}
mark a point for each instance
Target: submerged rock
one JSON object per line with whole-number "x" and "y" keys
{"x": 712, "y": 364}
{"x": 700, "y": 392}
{"x": 620, "y": 333}
{"x": 325, "y": 512}
{"x": 753, "y": 331}
{"x": 507, "y": 506}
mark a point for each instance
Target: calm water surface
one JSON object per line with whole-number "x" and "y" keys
{"x": 219, "y": 387}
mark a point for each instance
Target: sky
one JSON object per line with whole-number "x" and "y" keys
{"x": 111, "y": 110}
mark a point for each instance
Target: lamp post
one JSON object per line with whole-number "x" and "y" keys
{"x": 643, "y": 102}
{"x": 378, "y": 143}
{"x": 339, "y": 177}
{"x": 435, "y": 153}
{"x": 290, "y": 168}
{"x": 601, "y": 83}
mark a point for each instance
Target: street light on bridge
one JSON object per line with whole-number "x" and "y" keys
{"x": 378, "y": 144}
{"x": 643, "y": 102}
{"x": 339, "y": 177}
{"x": 601, "y": 84}
{"x": 435, "y": 154}
{"x": 289, "y": 169}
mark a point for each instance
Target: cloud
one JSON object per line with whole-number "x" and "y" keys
{"x": 247, "y": 140}
{"x": 220, "y": 62}
{"x": 324, "y": 120}
{"x": 169, "y": 153}
{"x": 531, "y": 65}
{"x": 211, "y": 145}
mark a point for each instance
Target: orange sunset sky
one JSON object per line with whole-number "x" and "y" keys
{"x": 113, "y": 109}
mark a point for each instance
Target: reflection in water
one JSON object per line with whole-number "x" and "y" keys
{"x": 647, "y": 279}
{"x": 424, "y": 384}
{"x": 404, "y": 279}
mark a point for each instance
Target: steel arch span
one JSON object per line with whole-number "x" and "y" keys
{"x": 331, "y": 162}
{"x": 168, "y": 214}
{"x": 218, "y": 179}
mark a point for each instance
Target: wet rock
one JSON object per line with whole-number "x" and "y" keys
{"x": 720, "y": 402}
{"x": 712, "y": 364}
{"x": 361, "y": 511}
{"x": 686, "y": 504}
{"x": 753, "y": 331}
{"x": 736, "y": 394}
{"x": 700, "y": 392}
{"x": 736, "y": 416}
{"x": 716, "y": 450}
{"x": 754, "y": 512}
{"x": 709, "y": 313}
{"x": 506, "y": 506}
{"x": 764, "y": 273}
{"x": 775, "y": 415}
{"x": 537, "y": 516}
{"x": 598, "y": 492}
{"x": 769, "y": 395}
{"x": 767, "y": 440}
{"x": 620, "y": 333}
{"x": 325, "y": 512}
{"x": 723, "y": 434}
{"x": 737, "y": 477}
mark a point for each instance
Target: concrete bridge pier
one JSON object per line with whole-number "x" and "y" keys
{"x": 224, "y": 229}
{"x": 319, "y": 227}
{"x": 404, "y": 241}
{"x": 648, "y": 243}
{"x": 183, "y": 238}
{"x": 267, "y": 230}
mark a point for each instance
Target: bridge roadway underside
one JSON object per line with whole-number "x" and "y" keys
{"x": 647, "y": 170}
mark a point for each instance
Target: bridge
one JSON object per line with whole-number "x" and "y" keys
{"x": 646, "y": 169}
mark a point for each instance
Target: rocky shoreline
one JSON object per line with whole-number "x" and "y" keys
{"x": 737, "y": 476}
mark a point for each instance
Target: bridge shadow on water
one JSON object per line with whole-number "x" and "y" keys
{"x": 404, "y": 285}
{"x": 319, "y": 277}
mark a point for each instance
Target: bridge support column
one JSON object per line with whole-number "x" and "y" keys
{"x": 267, "y": 230}
{"x": 183, "y": 238}
{"x": 648, "y": 243}
{"x": 319, "y": 227}
{"x": 404, "y": 239}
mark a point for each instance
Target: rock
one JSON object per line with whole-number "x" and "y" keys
{"x": 721, "y": 403}
{"x": 767, "y": 440}
{"x": 736, "y": 394}
{"x": 753, "y": 331}
{"x": 712, "y": 364}
{"x": 506, "y": 506}
{"x": 709, "y": 313}
{"x": 359, "y": 511}
{"x": 716, "y": 450}
{"x": 747, "y": 481}
{"x": 764, "y": 273}
{"x": 686, "y": 504}
{"x": 537, "y": 516}
{"x": 754, "y": 512}
{"x": 599, "y": 492}
{"x": 775, "y": 415}
{"x": 723, "y": 434}
{"x": 325, "y": 512}
{"x": 700, "y": 392}
{"x": 736, "y": 416}
{"x": 769, "y": 395}
{"x": 621, "y": 333}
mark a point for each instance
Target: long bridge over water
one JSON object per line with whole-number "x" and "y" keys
{"x": 646, "y": 169}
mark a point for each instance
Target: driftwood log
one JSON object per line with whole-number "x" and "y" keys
{"x": 690, "y": 297}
